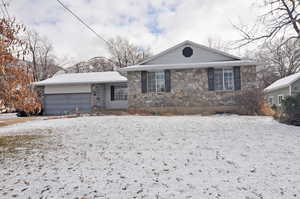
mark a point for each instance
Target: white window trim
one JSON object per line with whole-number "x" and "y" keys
{"x": 233, "y": 86}
{"x": 271, "y": 97}
{"x": 232, "y": 80}
{"x": 125, "y": 93}
{"x": 279, "y": 100}
{"x": 156, "y": 84}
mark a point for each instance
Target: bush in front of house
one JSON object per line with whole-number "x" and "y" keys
{"x": 291, "y": 110}
{"x": 250, "y": 101}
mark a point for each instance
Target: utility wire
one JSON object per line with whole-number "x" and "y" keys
{"x": 81, "y": 20}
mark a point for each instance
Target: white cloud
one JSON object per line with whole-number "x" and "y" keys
{"x": 178, "y": 20}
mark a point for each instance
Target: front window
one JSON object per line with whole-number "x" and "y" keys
{"x": 228, "y": 79}
{"x": 156, "y": 81}
{"x": 120, "y": 92}
{"x": 219, "y": 79}
{"x": 223, "y": 79}
{"x": 271, "y": 100}
{"x": 280, "y": 99}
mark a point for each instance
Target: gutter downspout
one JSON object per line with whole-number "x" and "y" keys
{"x": 290, "y": 88}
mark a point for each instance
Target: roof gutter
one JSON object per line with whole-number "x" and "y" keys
{"x": 276, "y": 88}
{"x": 77, "y": 83}
{"x": 188, "y": 66}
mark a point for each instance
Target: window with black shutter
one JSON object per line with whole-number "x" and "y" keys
{"x": 144, "y": 81}
{"x": 112, "y": 93}
{"x": 158, "y": 81}
{"x": 119, "y": 92}
{"x": 168, "y": 80}
{"x": 210, "y": 75}
{"x": 237, "y": 77}
{"x": 226, "y": 79}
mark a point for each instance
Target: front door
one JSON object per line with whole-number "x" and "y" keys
{"x": 100, "y": 95}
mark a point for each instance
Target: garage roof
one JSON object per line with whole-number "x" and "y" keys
{"x": 83, "y": 78}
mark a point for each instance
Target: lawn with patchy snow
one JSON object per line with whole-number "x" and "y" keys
{"x": 153, "y": 157}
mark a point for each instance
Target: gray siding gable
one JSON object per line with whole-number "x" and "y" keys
{"x": 200, "y": 54}
{"x": 296, "y": 87}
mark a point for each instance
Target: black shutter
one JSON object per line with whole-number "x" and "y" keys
{"x": 112, "y": 93}
{"x": 144, "y": 81}
{"x": 237, "y": 77}
{"x": 211, "y": 82}
{"x": 168, "y": 80}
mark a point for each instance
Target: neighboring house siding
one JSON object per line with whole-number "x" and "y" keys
{"x": 189, "y": 88}
{"x": 199, "y": 55}
{"x": 286, "y": 91}
{"x": 296, "y": 87}
{"x": 283, "y": 91}
{"x": 55, "y": 89}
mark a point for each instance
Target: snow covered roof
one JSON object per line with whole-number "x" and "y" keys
{"x": 190, "y": 65}
{"x": 83, "y": 78}
{"x": 282, "y": 83}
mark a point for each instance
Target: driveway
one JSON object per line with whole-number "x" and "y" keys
{"x": 150, "y": 157}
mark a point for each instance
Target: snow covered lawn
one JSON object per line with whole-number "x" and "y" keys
{"x": 7, "y": 115}
{"x": 153, "y": 157}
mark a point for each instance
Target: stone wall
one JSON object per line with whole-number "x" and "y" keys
{"x": 189, "y": 89}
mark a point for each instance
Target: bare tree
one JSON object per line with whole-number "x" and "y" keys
{"x": 123, "y": 53}
{"x": 42, "y": 63}
{"x": 33, "y": 38}
{"x": 280, "y": 60}
{"x": 282, "y": 19}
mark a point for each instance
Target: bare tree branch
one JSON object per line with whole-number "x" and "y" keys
{"x": 123, "y": 53}
{"x": 282, "y": 18}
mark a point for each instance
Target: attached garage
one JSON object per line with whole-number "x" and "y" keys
{"x": 59, "y": 104}
{"x": 83, "y": 92}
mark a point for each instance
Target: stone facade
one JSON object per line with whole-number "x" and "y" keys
{"x": 189, "y": 92}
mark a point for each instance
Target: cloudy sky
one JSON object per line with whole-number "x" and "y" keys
{"x": 155, "y": 23}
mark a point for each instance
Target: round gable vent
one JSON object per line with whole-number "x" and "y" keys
{"x": 187, "y": 52}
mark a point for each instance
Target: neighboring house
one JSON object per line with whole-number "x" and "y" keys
{"x": 83, "y": 92}
{"x": 189, "y": 78}
{"x": 282, "y": 88}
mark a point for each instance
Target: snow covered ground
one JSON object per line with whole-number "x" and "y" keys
{"x": 154, "y": 157}
{"x": 7, "y": 115}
